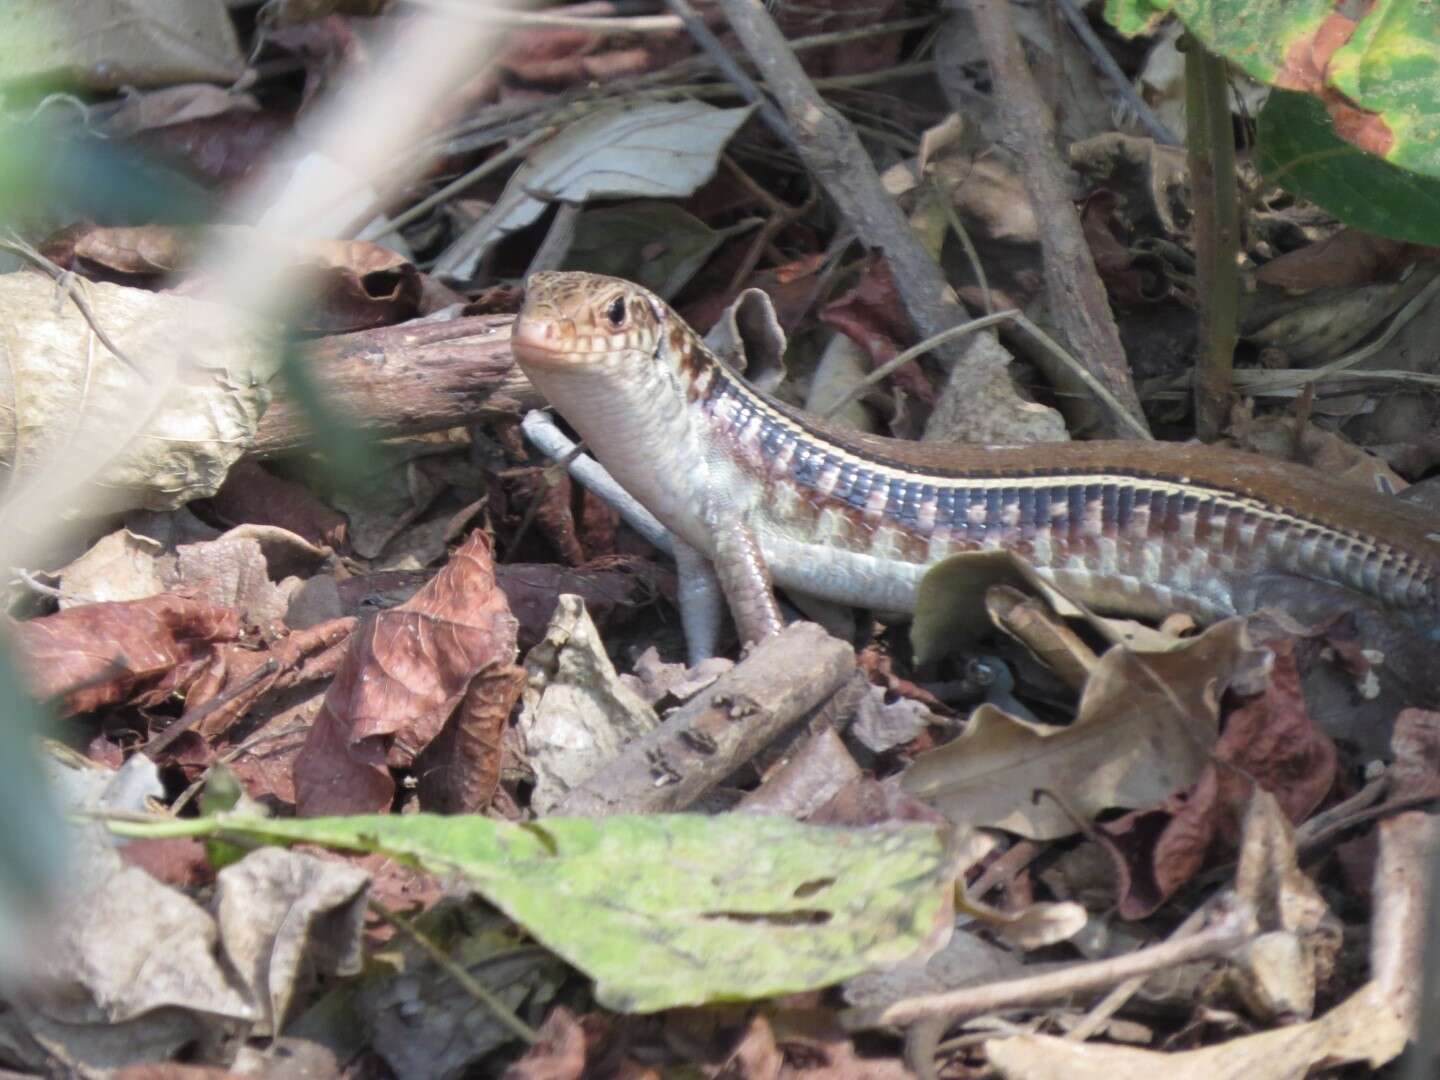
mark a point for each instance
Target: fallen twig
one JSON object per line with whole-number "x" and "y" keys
{"x": 1233, "y": 925}
{"x": 778, "y": 685}
{"x": 832, "y": 152}
{"x": 406, "y": 380}
{"x": 1078, "y": 301}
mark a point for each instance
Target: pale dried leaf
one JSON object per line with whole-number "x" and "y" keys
{"x": 576, "y": 712}
{"x": 286, "y": 917}
{"x": 73, "y": 402}
{"x": 121, "y": 566}
{"x": 1363, "y": 1028}
{"x": 107, "y": 44}
{"x": 1144, "y": 729}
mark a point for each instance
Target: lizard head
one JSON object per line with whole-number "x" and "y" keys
{"x": 572, "y": 321}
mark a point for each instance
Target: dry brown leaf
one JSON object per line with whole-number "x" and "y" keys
{"x": 1270, "y": 740}
{"x": 558, "y": 1053}
{"x": 401, "y": 682}
{"x": 101, "y": 654}
{"x": 300, "y": 657}
{"x": 1146, "y": 723}
{"x": 872, "y": 316}
{"x": 253, "y": 495}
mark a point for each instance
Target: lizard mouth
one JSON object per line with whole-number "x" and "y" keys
{"x": 537, "y": 344}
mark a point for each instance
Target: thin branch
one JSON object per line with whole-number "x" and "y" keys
{"x": 1147, "y": 116}
{"x": 467, "y": 982}
{"x": 833, "y": 154}
{"x": 725, "y": 60}
{"x": 1078, "y": 303}
{"x": 1233, "y": 926}
{"x": 195, "y": 715}
{"x": 1122, "y": 415}
{"x": 1211, "y": 156}
{"x": 899, "y": 360}
{"x": 1115, "y": 1000}
{"x": 469, "y": 179}
{"x": 600, "y": 24}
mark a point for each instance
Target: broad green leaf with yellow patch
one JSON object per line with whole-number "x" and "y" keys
{"x": 665, "y": 910}
{"x": 1378, "y": 74}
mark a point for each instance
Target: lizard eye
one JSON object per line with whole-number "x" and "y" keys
{"x": 616, "y": 312}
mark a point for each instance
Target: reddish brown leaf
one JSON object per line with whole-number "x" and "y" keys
{"x": 597, "y": 525}
{"x": 460, "y": 770}
{"x": 405, "y": 673}
{"x": 1348, "y": 257}
{"x": 559, "y": 1054}
{"x": 178, "y": 860}
{"x": 1416, "y": 743}
{"x": 1270, "y": 740}
{"x": 253, "y": 495}
{"x": 558, "y": 58}
{"x": 873, "y": 317}
{"x": 219, "y": 150}
{"x": 102, "y": 654}
{"x": 356, "y": 285}
{"x": 300, "y": 657}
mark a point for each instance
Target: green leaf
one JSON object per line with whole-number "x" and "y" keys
{"x": 1379, "y": 74}
{"x": 667, "y": 909}
{"x": 656, "y": 244}
{"x": 1391, "y": 67}
{"x": 1135, "y": 16}
{"x": 1298, "y": 149}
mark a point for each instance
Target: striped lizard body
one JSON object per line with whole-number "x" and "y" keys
{"x": 765, "y": 492}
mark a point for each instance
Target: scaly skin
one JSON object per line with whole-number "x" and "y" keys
{"x": 769, "y": 493}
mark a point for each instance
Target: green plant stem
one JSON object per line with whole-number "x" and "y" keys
{"x": 1210, "y": 144}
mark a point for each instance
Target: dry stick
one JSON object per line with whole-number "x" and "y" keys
{"x": 721, "y": 57}
{"x": 406, "y": 380}
{"x": 1077, "y": 297}
{"x": 1232, "y": 927}
{"x": 515, "y": 117}
{"x": 194, "y": 716}
{"x": 467, "y": 982}
{"x": 1118, "y": 79}
{"x": 831, "y": 151}
{"x": 1211, "y": 154}
{"x": 1123, "y": 416}
{"x": 783, "y": 680}
{"x": 1115, "y": 1000}
{"x": 467, "y": 180}
{"x": 977, "y": 266}
{"x": 606, "y": 24}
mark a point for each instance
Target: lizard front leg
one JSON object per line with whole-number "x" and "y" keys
{"x": 745, "y": 580}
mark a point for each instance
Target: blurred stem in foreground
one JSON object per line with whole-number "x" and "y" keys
{"x": 1210, "y": 143}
